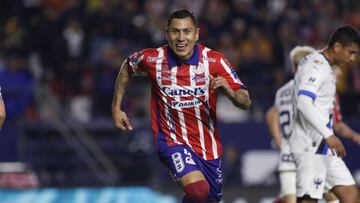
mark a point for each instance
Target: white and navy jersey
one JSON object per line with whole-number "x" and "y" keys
{"x": 316, "y": 79}
{"x": 284, "y": 107}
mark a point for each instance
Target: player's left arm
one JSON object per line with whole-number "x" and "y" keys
{"x": 342, "y": 129}
{"x": 272, "y": 121}
{"x": 239, "y": 98}
{"x": 226, "y": 78}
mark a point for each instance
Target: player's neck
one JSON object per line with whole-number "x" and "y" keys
{"x": 328, "y": 56}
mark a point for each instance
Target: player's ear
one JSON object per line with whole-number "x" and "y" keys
{"x": 337, "y": 47}
{"x": 166, "y": 33}
{"x": 197, "y": 33}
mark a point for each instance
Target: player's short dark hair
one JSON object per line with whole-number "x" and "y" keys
{"x": 181, "y": 14}
{"x": 345, "y": 35}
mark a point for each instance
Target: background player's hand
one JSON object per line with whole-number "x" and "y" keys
{"x": 335, "y": 145}
{"x": 356, "y": 138}
{"x": 219, "y": 81}
{"x": 121, "y": 121}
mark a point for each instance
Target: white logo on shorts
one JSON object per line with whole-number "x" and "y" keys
{"x": 189, "y": 160}
{"x": 178, "y": 162}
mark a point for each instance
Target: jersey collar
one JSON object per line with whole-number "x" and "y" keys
{"x": 174, "y": 61}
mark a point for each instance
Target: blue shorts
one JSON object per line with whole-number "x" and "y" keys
{"x": 181, "y": 160}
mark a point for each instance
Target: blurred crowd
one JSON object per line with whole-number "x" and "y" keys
{"x": 75, "y": 47}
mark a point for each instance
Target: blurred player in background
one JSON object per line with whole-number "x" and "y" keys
{"x": 340, "y": 127}
{"x": 280, "y": 129}
{"x": 316, "y": 150}
{"x": 184, "y": 78}
{"x": 2, "y": 110}
{"x": 279, "y": 120}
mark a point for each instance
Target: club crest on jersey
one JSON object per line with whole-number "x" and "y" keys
{"x": 317, "y": 182}
{"x": 200, "y": 69}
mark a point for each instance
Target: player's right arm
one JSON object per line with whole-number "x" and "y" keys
{"x": 120, "y": 118}
{"x": 310, "y": 80}
{"x": 306, "y": 107}
{"x": 272, "y": 121}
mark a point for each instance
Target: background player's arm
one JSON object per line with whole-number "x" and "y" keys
{"x": 120, "y": 119}
{"x": 342, "y": 129}
{"x": 306, "y": 107}
{"x": 272, "y": 121}
{"x": 2, "y": 112}
{"x": 239, "y": 98}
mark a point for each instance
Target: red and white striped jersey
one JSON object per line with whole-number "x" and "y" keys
{"x": 183, "y": 109}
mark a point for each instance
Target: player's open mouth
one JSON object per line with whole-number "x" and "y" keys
{"x": 181, "y": 47}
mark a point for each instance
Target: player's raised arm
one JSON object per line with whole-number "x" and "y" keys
{"x": 120, "y": 118}
{"x": 239, "y": 97}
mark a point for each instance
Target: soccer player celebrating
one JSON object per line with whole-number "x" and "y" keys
{"x": 184, "y": 78}
{"x": 316, "y": 150}
{"x": 2, "y": 110}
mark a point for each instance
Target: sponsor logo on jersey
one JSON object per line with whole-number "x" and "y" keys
{"x": 199, "y": 78}
{"x": 186, "y": 104}
{"x": 208, "y": 59}
{"x": 285, "y": 102}
{"x": 164, "y": 78}
{"x": 184, "y": 91}
{"x": 154, "y": 59}
{"x": 318, "y": 62}
{"x": 164, "y": 71}
{"x": 311, "y": 79}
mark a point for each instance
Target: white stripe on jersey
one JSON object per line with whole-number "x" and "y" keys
{"x": 228, "y": 69}
{"x": 207, "y": 107}
{"x": 179, "y": 110}
{"x": 167, "y": 110}
{"x": 197, "y": 113}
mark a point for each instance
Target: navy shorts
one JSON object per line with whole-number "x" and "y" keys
{"x": 181, "y": 160}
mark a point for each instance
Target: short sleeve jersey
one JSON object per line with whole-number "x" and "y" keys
{"x": 183, "y": 109}
{"x": 316, "y": 79}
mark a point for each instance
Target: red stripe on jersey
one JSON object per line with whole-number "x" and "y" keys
{"x": 183, "y": 75}
{"x": 165, "y": 77}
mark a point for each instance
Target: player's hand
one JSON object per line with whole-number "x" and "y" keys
{"x": 335, "y": 145}
{"x": 121, "y": 121}
{"x": 219, "y": 81}
{"x": 356, "y": 138}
